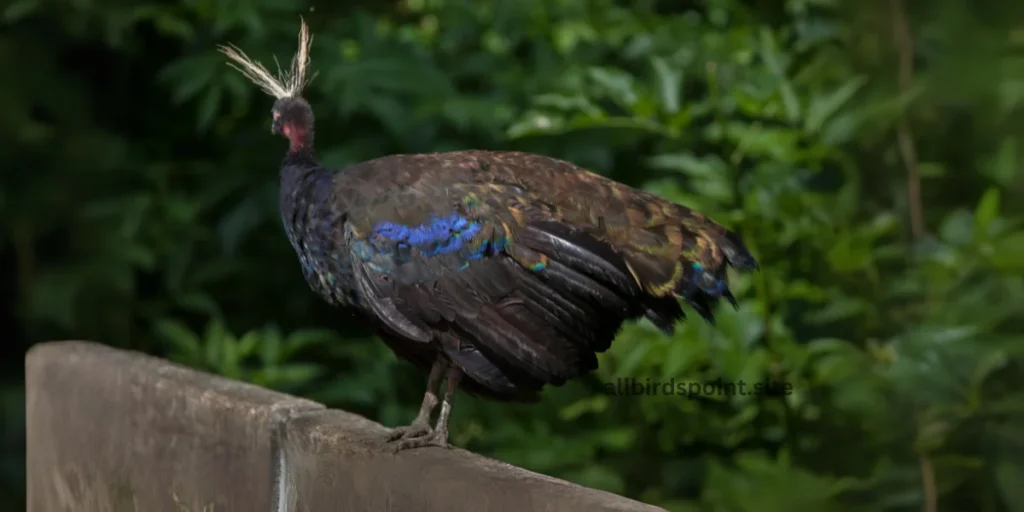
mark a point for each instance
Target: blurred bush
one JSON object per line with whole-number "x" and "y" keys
{"x": 138, "y": 208}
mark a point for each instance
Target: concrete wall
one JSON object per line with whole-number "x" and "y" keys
{"x": 110, "y": 430}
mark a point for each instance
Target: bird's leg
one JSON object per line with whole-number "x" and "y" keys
{"x": 421, "y": 425}
{"x": 439, "y": 435}
{"x": 452, "y": 385}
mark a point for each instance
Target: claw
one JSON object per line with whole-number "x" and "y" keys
{"x": 413, "y": 430}
{"x": 433, "y": 438}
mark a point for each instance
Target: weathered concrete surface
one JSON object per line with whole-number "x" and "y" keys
{"x": 333, "y": 461}
{"x": 110, "y": 430}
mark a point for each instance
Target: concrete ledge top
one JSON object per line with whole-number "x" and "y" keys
{"x": 110, "y": 429}
{"x": 335, "y": 455}
{"x": 152, "y": 371}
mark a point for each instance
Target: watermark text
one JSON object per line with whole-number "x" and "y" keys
{"x": 632, "y": 386}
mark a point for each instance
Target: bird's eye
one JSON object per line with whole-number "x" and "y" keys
{"x": 277, "y": 115}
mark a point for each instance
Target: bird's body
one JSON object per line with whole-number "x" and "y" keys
{"x": 501, "y": 272}
{"x": 517, "y": 267}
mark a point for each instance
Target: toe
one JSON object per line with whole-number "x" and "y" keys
{"x": 396, "y": 433}
{"x": 432, "y": 439}
{"x": 414, "y": 430}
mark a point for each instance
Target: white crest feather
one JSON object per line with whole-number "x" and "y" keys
{"x": 286, "y": 84}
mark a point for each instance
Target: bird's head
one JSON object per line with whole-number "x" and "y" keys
{"x": 293, "y": 118}
{"x": 291, "y": 115}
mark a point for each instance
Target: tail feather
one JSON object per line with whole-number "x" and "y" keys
{"x": 664, "y": 312}
{"x": 707, "y": 280}
{"x": 630, "y": 279}
{"x": 736, "y": 253}
{"x": 578, "y": 250}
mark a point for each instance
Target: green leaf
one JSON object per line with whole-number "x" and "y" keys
{"x": 214, "y": 348}
{"x": 247, "y": 345}
{"x": 621, "y": 438}
{"x": 293, "y": 374}
{"x": 849, "y": 254}
{"x": 19, "y": 9}
{"x": 932, "y": 436}
{"x": 931, "y": 170}
{"x": 229, "y": 363}
{"x": 181, "y": 337}
{"x": 987, "y": 210}
{"x": 1008, "y": 255}
{"x": 958, "y": 227}
{"x": 681, "y": 357}
{"x": 198, "y": 302}
{"x": 837, "y": 309}
{"x": 599, "y": 477}
{"x": 708, "y": 167}
{"x": 633, "y": 360}
{"x": 774, "y": 60}
{"x": 822, "y": 108}
{"x": 270, "y": 349}
{"x": 1008, "y": 476}
{"x": 592, "y": 404}
{"x": 301, "y": 339}
{"x": 208, "y": 107}
{"x": 1005, "y": 165}
{"x": 670, "y": 82}
{"x": 617, "y": 83}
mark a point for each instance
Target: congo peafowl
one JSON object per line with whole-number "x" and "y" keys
{"x": 498, "y": 272}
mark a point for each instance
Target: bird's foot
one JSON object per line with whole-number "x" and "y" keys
{"x": 432, "y": 437}
{"x": 414, "y": 430}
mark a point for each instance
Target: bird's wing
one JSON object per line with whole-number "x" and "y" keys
{"x": 529, "y": 264}
{"x": 453, "y": 278}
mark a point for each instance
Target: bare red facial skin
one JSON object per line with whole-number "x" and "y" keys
{"x": 296, "y": 137}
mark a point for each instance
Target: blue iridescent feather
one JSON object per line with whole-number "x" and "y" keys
{"x": 438, "y": 230}
{"x": 442, "y": 235}
{"x": 391, "y": 243}
{"x": 708, "y": 283}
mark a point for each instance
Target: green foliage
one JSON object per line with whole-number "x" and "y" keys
{"x": 138, "y": 208}
{"x": 261, "y": 357}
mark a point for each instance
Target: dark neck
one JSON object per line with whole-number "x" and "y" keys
{"x": 303, "y": 157}
{"x": 300, "y": 171}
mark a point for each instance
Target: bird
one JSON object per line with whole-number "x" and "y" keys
{"x": 495, "y": 272}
